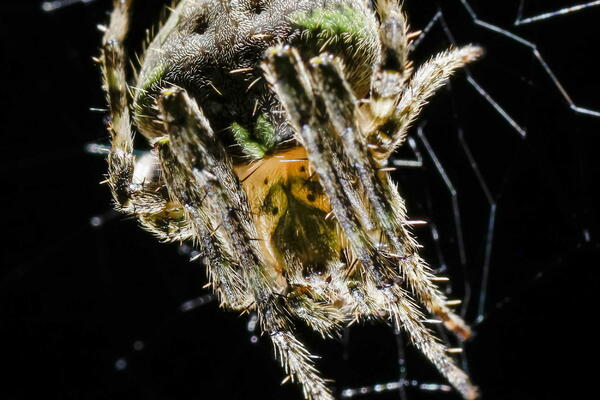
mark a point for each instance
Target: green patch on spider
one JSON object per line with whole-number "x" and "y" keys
{"x": 343, "y": 31}
{"x": 341, "y": 23}
{"x": 258, "y": 142}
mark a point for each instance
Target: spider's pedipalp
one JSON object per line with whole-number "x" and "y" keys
{"x": 292, "y": 83}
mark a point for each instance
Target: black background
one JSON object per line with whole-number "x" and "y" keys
{"x": 94, "y": 312}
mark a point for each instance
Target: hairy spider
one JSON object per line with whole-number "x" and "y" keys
{"x": 271, "y": 122}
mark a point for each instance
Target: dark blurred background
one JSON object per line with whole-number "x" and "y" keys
{"x": 91, "y": 307}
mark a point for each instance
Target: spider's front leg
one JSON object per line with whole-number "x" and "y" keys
{"x": 200, "y": 175}
{"x": 121, "y": 162}
{"x": 425, "y": 82}
{"x": 397, "y": 96}
{"x": 148, "y": 201}
{"x": 393, "y": 69}
{"x": 337, "y": 152}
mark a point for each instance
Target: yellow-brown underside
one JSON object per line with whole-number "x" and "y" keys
{"x": 257, "y": 179}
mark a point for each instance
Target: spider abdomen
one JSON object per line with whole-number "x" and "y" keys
{"x": 292, "y": 215}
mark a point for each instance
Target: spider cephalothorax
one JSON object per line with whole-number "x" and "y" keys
{"x": 271, "y": 122}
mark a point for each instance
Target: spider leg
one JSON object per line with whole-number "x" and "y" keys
{"x": 319, "y": 132}
{"x": 386, "y": 205}
{"x": 224, "y": 272}
{"x": 394, "y": 68}
{"x": 292, "y": 83}
{"x": 121, "y": 161}
{"x": 298, "y": 365}
{"x": 407, "y": 316}
{"x": 212, "y": 192}
{"x": 146, "y": 200}
{"x": 290, "y": 79}
{"x": 424, "y": 83}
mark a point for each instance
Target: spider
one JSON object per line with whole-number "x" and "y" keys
{"x": 271, "y": 122}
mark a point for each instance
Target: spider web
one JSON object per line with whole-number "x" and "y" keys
{"x": 498, "y": 167}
